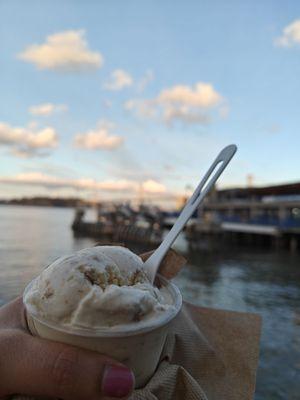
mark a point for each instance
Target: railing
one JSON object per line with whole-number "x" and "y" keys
{"x": 264, "y": 220}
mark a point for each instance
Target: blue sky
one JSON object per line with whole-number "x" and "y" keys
{"x": 192, "y": 76}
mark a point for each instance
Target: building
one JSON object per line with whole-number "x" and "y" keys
{"x": 258, "y": 215}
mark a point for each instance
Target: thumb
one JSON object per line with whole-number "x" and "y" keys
{"x": 39, "y": 367}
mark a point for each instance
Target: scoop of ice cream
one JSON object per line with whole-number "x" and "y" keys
{"x": 97, "y": 287}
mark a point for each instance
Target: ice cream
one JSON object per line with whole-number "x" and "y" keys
{"x": 103, "y": 287}
{"x": 100, "y": 299}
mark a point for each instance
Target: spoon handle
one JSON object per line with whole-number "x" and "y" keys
{"x": 206, "y": 184}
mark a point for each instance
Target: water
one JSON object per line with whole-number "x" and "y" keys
{"x": 263, "y": 282}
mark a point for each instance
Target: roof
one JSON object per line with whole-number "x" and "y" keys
{"x": 286, "y": 189}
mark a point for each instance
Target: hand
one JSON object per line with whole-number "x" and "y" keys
{"x": 34, "y": 366}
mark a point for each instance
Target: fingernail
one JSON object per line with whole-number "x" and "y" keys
{"x": 117, "y": 381}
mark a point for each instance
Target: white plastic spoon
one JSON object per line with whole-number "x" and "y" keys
{"x": 218, "y": 166}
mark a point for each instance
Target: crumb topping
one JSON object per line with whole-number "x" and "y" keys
{"x": 111, "y": 276}
{"x": 49, "y": 292}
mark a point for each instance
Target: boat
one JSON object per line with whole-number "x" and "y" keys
{"x": 122, "y": 224}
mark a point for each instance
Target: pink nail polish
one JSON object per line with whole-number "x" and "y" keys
{"x": 117, "y": 381}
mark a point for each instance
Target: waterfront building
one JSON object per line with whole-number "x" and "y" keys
{"x": 268, "y": 214}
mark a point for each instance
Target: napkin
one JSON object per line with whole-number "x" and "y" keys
{"x": 209, "y": 355}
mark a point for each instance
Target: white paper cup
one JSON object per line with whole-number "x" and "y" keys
{"x": 137, "y": 347}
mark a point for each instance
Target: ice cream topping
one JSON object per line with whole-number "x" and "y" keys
{"x": 103, "y": 286}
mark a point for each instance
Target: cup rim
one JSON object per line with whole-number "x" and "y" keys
{"x": 118, "y": 330}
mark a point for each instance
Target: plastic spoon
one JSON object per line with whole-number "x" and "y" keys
{"x": 215, "y": 170}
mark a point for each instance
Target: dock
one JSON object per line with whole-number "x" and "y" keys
{"x": 264, "y": 216}
{"x": 268, "y": 216}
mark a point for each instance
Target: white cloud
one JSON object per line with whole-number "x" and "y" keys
{"x": 151, "y": 186}
{"x": 99, "y": 138}
{"x": 26, "y": 141}
{"x": 119, "y": 79}
{"x": 185, "y": 114}
{"x": 180, "y": 103}
{"x": 63, "y": 51}
{"x": 47, "y": 109}
{"x": 203, "y": 95}
{"x": 290, "y": 35}
{"x": 53, "y": 182}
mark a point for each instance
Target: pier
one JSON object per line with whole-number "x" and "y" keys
{"x": 264, "y": 217}
{"x": 255, "y": 216}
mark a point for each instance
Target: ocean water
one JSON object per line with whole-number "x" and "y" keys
{"x": 264, "y": 282}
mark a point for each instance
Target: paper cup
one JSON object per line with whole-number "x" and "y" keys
{"x": 138, "y": 348}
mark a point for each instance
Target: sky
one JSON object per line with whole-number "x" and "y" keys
{"x": 119, "y": 99}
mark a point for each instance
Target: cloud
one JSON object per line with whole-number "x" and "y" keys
{"x": 290, "y": 35}
{"x": 143, "y": 108}
{"x": 100, "y": 138}
{"x": 47, "y": 109}
{"x": 180, "y": 103}
{"x": 32, "y": 125}
{"x": 145, "y": 80}
{"x": 224, "y": 110}
{"x": 25, "y": 142}
{"x": 203, "y": 95}
{"x": 151, "y": 186}
{"x": 119, "y": 79}
{"x": 185, "y": 114}
{"x": 53, "y": 182}
{"x": 63, "y": 51}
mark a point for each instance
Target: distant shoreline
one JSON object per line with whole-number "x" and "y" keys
{"x": 46, "y": 202}
{"x": 35, "y": 205}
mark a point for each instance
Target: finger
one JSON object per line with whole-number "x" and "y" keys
{"x": 44, "y": 368}
{"x": 12, "y": 315}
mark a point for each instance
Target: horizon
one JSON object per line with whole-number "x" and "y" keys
{"x": 151, "y": 198}
{"x": 110, "y": 100}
